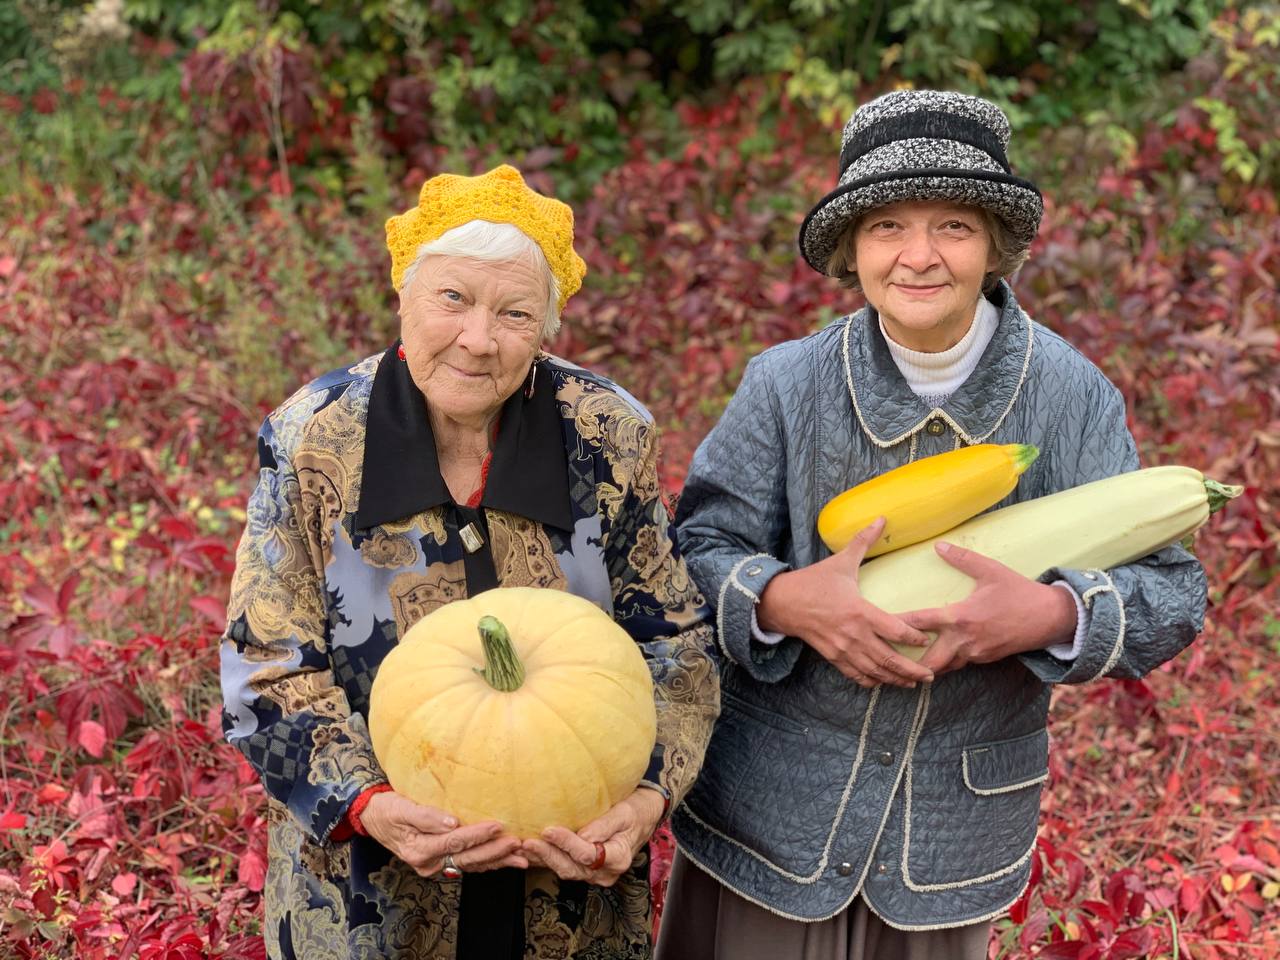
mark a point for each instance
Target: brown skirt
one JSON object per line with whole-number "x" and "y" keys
{"x": 703, "y": 920}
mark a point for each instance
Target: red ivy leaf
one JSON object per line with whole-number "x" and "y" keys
{"x": 253, "y": 870}
{"x": 124, "y": 884}
{"x": 92, "y": 737}
{"x": 213, "y": 609}
{"x": 1131, "y": 944}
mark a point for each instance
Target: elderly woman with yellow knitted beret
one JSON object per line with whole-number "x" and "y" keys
{"x": 461, "y": 458}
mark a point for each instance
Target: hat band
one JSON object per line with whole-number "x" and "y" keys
{"x": 924, "y": 125}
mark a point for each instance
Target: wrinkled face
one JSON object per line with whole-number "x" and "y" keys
{"x": 470, "y": 330}
{"x": 921, "y": 265}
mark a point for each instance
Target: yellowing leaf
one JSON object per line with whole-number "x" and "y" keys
{"x": 1270, "y": 890}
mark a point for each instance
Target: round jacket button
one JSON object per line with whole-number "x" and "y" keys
{"x": 886, "y": 758}
{"x": 936, "y": 427}
{"x": 754, "y": 570}
{"x": 881, "y": 868}
{"x": 845, "y": 869}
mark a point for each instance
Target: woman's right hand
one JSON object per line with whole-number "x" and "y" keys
{"x": 423, "y": 836}
{"x": 821, "y": 604}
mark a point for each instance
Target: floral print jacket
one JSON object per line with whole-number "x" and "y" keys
{"x": 351, "y": 538}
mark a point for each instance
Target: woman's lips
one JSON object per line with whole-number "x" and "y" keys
{"x": 466, "y": 374}
{"x": 918, "y": 290}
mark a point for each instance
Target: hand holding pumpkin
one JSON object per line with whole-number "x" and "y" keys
{"x": 623, "y": 829}
{"x": 423, "y": 836}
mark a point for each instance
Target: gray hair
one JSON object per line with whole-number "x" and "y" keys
{"x": 492, "y": 242}
{"x": 1010, "y": 254}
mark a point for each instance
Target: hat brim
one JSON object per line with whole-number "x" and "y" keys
{"x": 1015, "y": 201}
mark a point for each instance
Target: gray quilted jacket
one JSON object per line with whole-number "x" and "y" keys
{"x": 926, "y": 800}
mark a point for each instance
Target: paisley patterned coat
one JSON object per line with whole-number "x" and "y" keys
{"x": 351, "y": 538}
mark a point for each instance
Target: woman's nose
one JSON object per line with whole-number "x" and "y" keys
{"x": 476, "y": 335}
{"x": 918, "y": 251}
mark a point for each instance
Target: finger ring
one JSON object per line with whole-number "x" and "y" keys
{"x": 451, "y": 870}
{"x": 598, "y": 862}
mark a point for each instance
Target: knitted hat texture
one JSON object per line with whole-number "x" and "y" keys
{"x": 922, "y": 145}
{"x": 499, "y": 196}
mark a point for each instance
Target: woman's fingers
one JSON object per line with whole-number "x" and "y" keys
{"x": 427, "y": 819}
{"x": 855, "y": 551}
{"x": 504, "y": 851}
{"x": 555, "y": 859}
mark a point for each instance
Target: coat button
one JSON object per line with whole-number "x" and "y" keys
{"x": 753, "y": 570}
{"x": 845, "y": 869}
{"x": 886, "y": 758}
{"x": 936, "y": 427}
{"x": 881, "y": 868}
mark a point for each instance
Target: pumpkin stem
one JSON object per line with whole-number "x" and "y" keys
{"x": 502, "y": 668}
{"x": 1220, "y": 494}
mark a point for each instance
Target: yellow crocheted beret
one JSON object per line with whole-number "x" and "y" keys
{"x": 499, "y": 196}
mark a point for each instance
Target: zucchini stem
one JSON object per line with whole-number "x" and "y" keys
{"x": 1220, "y": 494}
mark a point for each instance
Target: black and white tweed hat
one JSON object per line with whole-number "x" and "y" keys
{"x": 922, "y": 145}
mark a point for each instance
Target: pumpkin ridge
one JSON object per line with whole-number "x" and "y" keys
{"x": 600, "y": 698}
{"x": 595, "y": 761}
{"x": 427, "y": 705}
{"x": 392, "y": 727}
{"x": 565, "y": 790}
{"x": 549, "y": 636}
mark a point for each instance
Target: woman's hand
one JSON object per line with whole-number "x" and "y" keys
{"x": 423, "y": 836}
{"x": 822, "y": 606}
{"x": 620, "y": 832}
{"x": 1005, "y": 614}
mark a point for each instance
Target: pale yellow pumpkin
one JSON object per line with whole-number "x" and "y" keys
{"x": 545, "y": 717}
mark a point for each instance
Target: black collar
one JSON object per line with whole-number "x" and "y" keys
{"x": 529, "y": 474}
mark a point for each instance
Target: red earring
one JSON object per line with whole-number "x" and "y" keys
{"x": 400, "y": 351}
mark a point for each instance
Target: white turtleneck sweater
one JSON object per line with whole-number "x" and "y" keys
{"x": 934, "y": 377}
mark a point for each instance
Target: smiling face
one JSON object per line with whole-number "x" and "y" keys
{"x": 921, "y": 265}
{"x": 471, "y": 328}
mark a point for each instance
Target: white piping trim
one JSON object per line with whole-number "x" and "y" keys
{"x": 960, "y": 431}
{"x": 915, "y": 448}
{"x": 1117, "y": 648}
{"x": 835, "y": 823}
{"x": 844, "y": 906}
{"x": 732, "y": 578}
{"x": 906, "y": 838}
{"x": 927, "y": 927}
{"x": 993, "y": 791}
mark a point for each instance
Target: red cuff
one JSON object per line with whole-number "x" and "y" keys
{"x": 350, "y": 824}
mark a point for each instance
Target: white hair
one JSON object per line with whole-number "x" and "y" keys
{"x": 492, "y": 242}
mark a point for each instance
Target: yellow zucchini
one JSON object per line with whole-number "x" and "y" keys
{"x": 927, "y": 497}
{"x": 1098, "y": 525}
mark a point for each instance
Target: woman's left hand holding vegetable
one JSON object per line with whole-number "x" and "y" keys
{"x": 1004, "y": 615}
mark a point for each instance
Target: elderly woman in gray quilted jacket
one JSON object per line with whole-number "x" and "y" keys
{"x": 854, "y": 803}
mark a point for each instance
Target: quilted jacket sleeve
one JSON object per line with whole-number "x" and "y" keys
{"x": 1138, "y": 615}
{"x": 732, "y": 520}
{"x": 656, "y": 602}
{"x": 281, "y": 706}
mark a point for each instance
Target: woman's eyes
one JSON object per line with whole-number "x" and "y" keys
{"x": 454, "y": 296}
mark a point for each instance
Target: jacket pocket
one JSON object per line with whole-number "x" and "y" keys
{"x": 1006, "y": 765}
{"x": 972, "y": 819}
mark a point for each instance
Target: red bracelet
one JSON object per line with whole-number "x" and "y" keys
{"x": 350, "y": 824}
{"x": 362, "y": 801}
